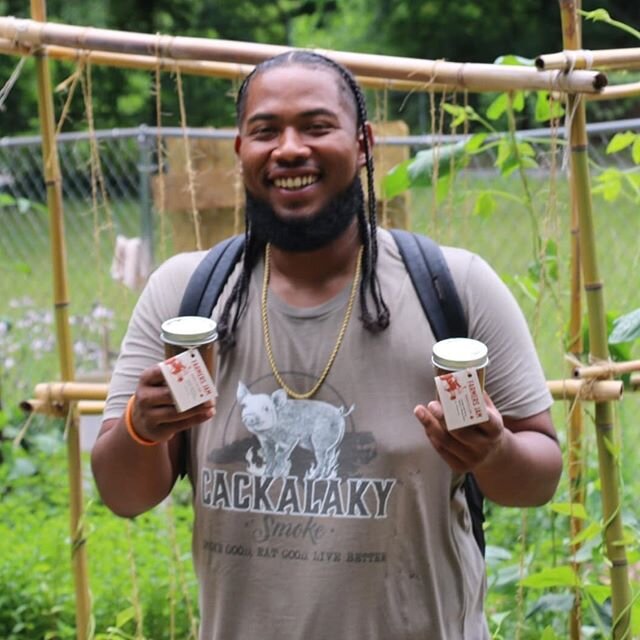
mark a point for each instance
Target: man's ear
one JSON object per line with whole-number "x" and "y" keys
{"x": 368, "y": 131}
{"x": 236, "y": 144}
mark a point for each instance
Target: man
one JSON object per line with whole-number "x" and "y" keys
{"x": 326, "y": 492}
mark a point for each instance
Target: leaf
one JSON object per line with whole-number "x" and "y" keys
{"x": 552, "y": 602}
{"x": 597, "y": 15}
{"x": 547, "y": 109}
{"x": 511, "y": 59}
{"x": 621, "y": 141}
{"x": 6, "y": 200}
{"x": 574, "y": 510}
{"x": 485, "y": 205}
{"x": 396, "y": 180}
{"x": 475, "y": 142}
{"x": 626, "y": 328}
{"x": 552, "y": 577}
{"x": 609, "y": 184}
{"x": 497, "y": 108}
{"x": 635, "y": 150}
{"x": 504, "y": 151}
{"x": 593, "y": 530}
{"x": 418, "y": 171}
{"x": 599, "y": 592}
{"x": 124, "y": 616}
{"x": 22, "y": 468}
{"x": 518, "y": 101}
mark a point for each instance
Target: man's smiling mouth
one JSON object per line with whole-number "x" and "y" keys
{"x": 295, "y": 183}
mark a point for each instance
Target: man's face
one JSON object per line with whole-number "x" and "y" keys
{"x": 298, "y": 142}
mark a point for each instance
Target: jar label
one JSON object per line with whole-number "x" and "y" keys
{"x": 461, "y": 397}
{"x": 188, "y": 379}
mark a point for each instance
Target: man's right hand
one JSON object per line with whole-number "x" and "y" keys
{"x": 154, "y": 416}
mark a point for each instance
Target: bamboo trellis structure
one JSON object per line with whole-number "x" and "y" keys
{"x": 606, "y": 431}
{"x": 467, "y": 76}
{"x": 226, "y": 59}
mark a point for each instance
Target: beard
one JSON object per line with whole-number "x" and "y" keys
{"x": 306, "y": 234}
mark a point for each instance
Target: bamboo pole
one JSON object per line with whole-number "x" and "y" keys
{"x": 575, "y": 436}
{"x": 227, "y": 70}
{"x": 469, "y": 76}
{"x": 616, "y": 92}
{"x": 53, "y": 184}
{"x": 571, "y": 59}
{"x": 606, "y": 432}
{"x": 84, "y": 407}
{"x": 596, "y": 390}
{"x": 607, "y": 370}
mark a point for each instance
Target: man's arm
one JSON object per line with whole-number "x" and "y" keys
{"x": 517, "y": 462}
{"x": 133, "y": 478}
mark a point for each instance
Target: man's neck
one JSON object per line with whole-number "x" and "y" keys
{"x": 310, "y": 278}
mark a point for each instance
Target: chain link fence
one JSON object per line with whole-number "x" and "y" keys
{"x": 111, "y": 188}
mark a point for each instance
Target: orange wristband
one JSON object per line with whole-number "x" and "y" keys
{"x": 130, "y": 428}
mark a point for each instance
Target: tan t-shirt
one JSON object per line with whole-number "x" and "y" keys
{"x": 334, "y": 517}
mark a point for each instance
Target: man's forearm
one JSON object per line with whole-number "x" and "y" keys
{"x": 524, "y": 472}
{"x": 131, "y": 478}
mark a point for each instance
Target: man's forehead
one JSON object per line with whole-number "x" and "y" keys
{"x": 324, "y": 88}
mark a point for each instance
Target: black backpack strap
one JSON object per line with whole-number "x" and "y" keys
{"x": 210, "y": 276}
{"x": 433, "y": 283}
{"x": 431, "y": 278}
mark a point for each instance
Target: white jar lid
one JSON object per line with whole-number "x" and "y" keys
{"x": 459, "y": 353}
{"x": 189, "y": 331}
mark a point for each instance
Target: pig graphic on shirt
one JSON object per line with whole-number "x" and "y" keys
{"x": 281, "y": 424}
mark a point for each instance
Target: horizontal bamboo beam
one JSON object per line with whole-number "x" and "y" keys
{"x": 67, "y": 391}
{"x": 596, "y": 390}
{"x": 51, "y": 397}
{"x": 227, "y": 70}
{"x": 85, "y": 407}
{"x": 617, "y": 92}
{"x": 471, "y": 76}
{"x": 570, "y": 60}
{"x": 635, "y": 381}
{"x": 606, "y": 370}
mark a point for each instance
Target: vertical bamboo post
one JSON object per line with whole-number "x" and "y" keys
{"x": 572, "y": 39}
{"x": 606, "y": 432}
{"x": 53, "y": 184}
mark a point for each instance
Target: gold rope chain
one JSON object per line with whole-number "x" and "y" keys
{"x": 267, "y": 334}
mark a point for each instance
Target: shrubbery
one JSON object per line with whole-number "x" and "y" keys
{"x": 37, "y": 599}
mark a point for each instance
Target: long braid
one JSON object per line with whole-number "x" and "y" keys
{"x": 367, "y": 224}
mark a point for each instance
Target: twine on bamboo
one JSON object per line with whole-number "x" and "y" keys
{"x": 9, "y": 84}
{"x": 572, "y": 59}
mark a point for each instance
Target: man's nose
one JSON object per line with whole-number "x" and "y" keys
{"x": 291, "y": 145}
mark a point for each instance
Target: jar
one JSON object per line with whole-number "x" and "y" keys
{"x": 190, "y": 332}
{"x": 456, "y": 354}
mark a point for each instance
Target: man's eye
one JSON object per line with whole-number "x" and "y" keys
{"x": 263, "y": 132}
{"x": 319, "y": 127}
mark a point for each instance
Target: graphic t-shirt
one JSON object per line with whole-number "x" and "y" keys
{"x": 333, "y": 517}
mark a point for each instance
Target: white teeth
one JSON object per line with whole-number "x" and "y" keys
{"x": 294, "y": 183}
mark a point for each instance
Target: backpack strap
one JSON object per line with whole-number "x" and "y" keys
{"x": 431, "y": 278}
{"x": 433, "y": 283}
{"x": 206, "y": 283}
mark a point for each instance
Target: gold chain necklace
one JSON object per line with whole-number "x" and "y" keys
{"x": 267, "y": 334}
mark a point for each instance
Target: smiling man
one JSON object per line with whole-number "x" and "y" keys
{"x": 327, "y": 490}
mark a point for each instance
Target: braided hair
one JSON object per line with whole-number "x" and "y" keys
{"x": 235, "y": 305}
